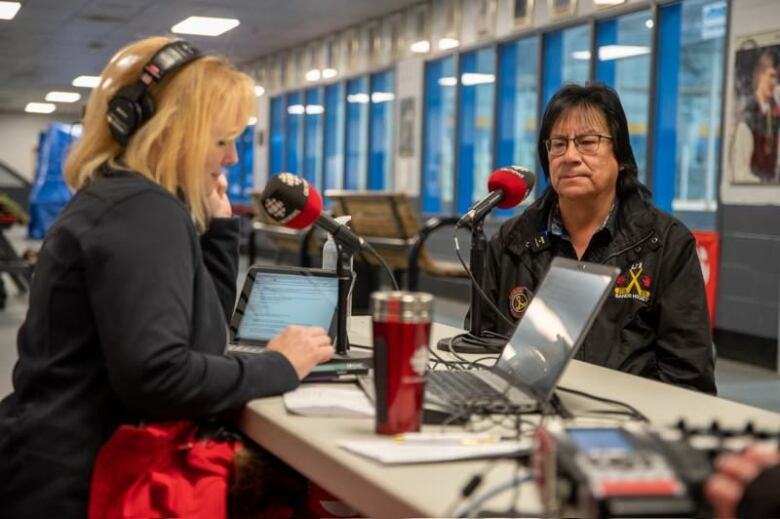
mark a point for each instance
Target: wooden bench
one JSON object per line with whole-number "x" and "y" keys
{"x": 300, "y": 243}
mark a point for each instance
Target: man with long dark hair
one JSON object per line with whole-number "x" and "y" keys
{"x": 655, "y": 322}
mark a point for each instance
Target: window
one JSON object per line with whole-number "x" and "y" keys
{"x": 518, "y": 98}
{"x": 623, "y": 62}
{"x": 240, "y": 175}
{"x": 357, "y": 134}
{"x": 688, "y": 106}
{"x": 294, "y": 127}
{"x": 312, "y": 149}
{"x": 381, "y": 146}
{"x": 277, "y": 151}
{"x": 475, "y": 147}
{"x": 439, "y": 136}
{"x": 333, "y": 168}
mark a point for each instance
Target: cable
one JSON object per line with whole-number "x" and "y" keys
{"x": 632, "y": 410}
{"x": 482, "y": 293}
{"x": 384, "y": 264}
{"x": 515, "y": 481}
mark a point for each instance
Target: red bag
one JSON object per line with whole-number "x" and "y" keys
{"x": 162, "y": 470}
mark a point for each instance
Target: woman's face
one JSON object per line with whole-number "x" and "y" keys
{"x": 221, "y": 153}
{"x": 577, "y": 175}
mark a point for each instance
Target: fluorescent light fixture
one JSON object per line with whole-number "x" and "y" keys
{"x": 358, "y": 98}
{"x": 86, "y": 81}
{"x": 448, "y": 81}
{"x": 581, "y": 54}
{"x": 420, "y": 47}
{"x": 296, "y": 110}
{"x": 612, "y": 52}
{"x": 315, "y": 109}
{"x": 63, "y": 97}
{"x": 252, "y": 121}
{"x": 448, "y": 43}
{"x": 605, "y": 3}
{"x": 328, "y": 73}
{"x": 259, "y": 90}
{"x": 382, "y": 97}
{"x": 8, "y": 10}
{"x": 40, "y": 108}
{"x": 649, "y": 23}
{"x": 476, "y": 78}
{"x": 313, "y": 75}
{"x": 205, "y": 25}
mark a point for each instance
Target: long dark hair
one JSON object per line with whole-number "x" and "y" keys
{"x": 600, "y": 97}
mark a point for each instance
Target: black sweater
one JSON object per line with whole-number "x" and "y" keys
{"x": 126, "y": 321}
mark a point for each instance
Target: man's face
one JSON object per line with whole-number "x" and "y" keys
{"x": 766, "y": 80}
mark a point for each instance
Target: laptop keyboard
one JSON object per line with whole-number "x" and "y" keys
{"x": 461, "y": 386}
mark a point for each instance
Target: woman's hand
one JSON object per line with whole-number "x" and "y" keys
{"x": 734, "y": 472}
{"x": 304, "y": 347}
{"x": 217, "y": 203}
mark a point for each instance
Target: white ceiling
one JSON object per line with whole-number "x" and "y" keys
{"x": 50, "y": 42}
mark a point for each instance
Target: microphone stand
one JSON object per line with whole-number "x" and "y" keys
{"x": 346, "y": 277}
{"x": 473, "y": 341}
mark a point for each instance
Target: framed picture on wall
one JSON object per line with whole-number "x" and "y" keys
{"x": 562, "y": 8}
{"x": 523, "y": 13}
{"x": 753, "y": 152}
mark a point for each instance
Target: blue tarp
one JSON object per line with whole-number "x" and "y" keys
{"x": 49, "y": 192}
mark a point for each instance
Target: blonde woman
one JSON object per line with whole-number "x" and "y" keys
{"x": 135, "y": 281}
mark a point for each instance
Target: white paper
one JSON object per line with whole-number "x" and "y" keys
{"x": 349, "y": 401}
{"x": 390, "y": 452}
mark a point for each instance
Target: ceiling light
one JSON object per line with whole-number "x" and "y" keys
{"x": 448, "y": 81}
{"x": 611, "y": 52}
{"x": 205, "y": 25}
{"x": 476, "y": 78}
{"x": 86, "y": 81}
{"x": 315, "y": 109}
{"x": 420, "y": 47}
{"x": 40, "y": 108}
{"x": 328, "y": 73}
{"x": 252, "y": 121}
{"x": 448, "y": 43}
{"x": 295, "y": 109}
{"x": 382, "y": 97}
{"x": 604, "y": 3}
{"x": 313, "y": 75}
{"x": 358, "y": 98}
{"x": 581, "y": 54}
{"x": 63, "y": 97}
{"x": 649, "y": 24}
{"x": 259, "y": 90}
{"x": 8, "y": 10}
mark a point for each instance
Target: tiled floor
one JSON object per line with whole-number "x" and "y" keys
{"x": 735, "y": 381}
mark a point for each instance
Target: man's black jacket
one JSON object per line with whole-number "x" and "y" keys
{"x": 655, "y": 321}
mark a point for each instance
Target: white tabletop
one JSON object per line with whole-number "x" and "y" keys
{"x": 309, "y": 444}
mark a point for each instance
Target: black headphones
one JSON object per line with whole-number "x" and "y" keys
{"x": 131, "y": 106}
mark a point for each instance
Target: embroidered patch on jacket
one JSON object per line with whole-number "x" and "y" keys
{"x": 633, "y": 284}
{"x": 519, "y": 297}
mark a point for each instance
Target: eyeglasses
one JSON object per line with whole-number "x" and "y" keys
{"x": 585, "y": 144}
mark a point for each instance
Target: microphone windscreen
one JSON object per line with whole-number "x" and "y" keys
{"x": 515, "y": 181}
{"x": 291, "y": 201}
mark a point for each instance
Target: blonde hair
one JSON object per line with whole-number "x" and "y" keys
{"x": 170, "y": 149}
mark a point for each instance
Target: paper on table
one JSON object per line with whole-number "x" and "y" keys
{"x": 390, "y": 452}
{"x": 347, "y": 401}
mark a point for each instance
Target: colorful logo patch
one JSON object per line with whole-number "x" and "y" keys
{"x": 519, "y": 297}
{"x": 633, "y": 284}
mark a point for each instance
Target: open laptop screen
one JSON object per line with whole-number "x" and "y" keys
{"x": 554, "y": 325}
{"x": 275, "y": 297}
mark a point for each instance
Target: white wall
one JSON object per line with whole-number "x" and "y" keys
{"x": 19, "y": 139}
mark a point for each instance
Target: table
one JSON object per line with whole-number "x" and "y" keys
{"x": 309, "y": 444}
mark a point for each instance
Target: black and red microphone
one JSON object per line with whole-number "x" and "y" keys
{"x": 508, "y": 187}
{"x": 293, "y": 202}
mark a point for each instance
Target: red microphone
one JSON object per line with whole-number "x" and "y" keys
{"x": 508, "y": 187}
{"x": 293, "y": 202}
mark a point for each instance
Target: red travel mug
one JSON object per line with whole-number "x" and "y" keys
{"x": 402, "y": 327}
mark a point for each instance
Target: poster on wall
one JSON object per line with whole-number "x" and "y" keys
{"x": 406, "y": 128}
{"x": 486, "y": 18}
{"x": 752, "y": 156}
{"x": 562, "y": 8}
{"x": 524, "y": 10}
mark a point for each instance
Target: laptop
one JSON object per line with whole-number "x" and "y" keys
{"x": 273, "y": 298}
{"x": 552, "y": 329}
